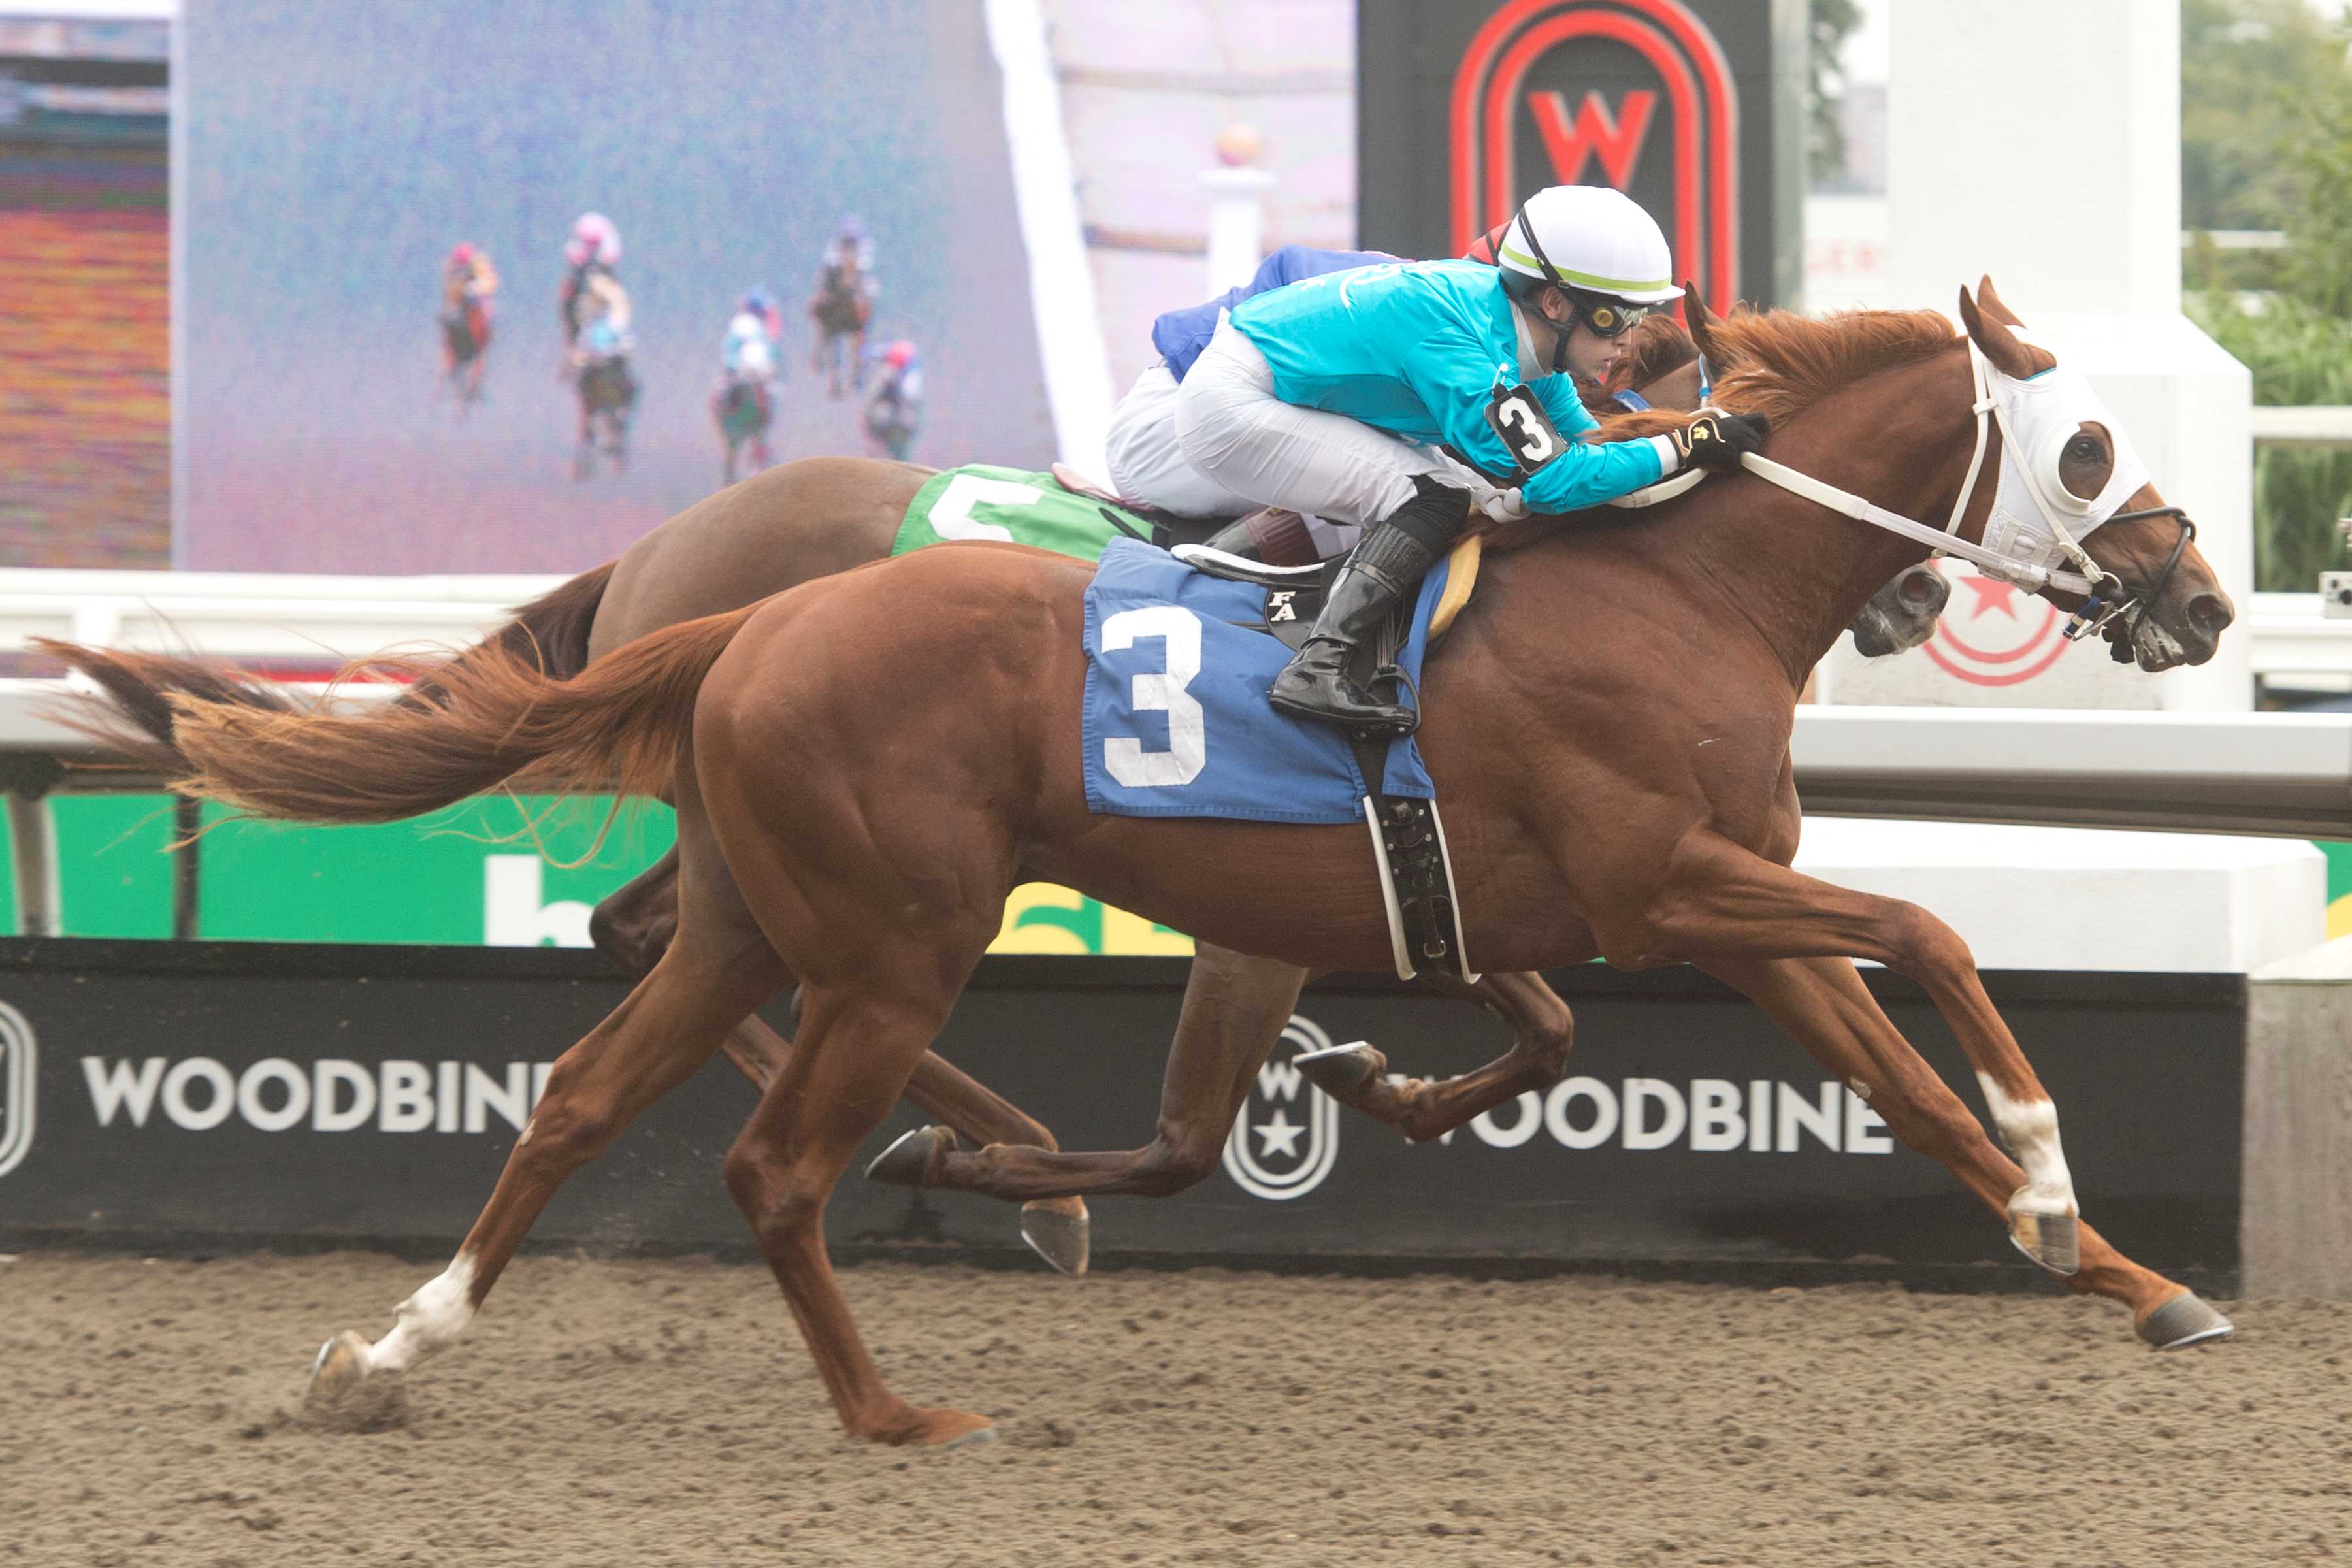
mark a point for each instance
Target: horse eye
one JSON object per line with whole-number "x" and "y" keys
{"x": 2083, "y": 448}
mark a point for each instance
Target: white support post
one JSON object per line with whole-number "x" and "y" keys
{"x": 1061, "y": 280}
{"x": 2056, "y": 169}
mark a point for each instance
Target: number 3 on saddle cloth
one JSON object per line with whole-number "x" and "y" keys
{"x": 1177, "y": 724}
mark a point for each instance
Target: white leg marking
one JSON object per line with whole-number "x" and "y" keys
{"x": 430, "y": 1320}
{"x": 2030, "y": 1128}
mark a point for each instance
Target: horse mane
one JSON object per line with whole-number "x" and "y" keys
{"x": 1661, "y": 344}
{"x": 1779, "y": 363}
{"x": 1773, "y": 363}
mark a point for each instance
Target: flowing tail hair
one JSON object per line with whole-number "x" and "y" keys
{"x": 141, "y": 725}
{"x": 490, "y": 716}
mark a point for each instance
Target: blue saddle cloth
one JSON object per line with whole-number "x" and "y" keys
{"x": 1176, "y": 718}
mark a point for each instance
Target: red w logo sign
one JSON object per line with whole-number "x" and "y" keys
{"x": 1512, "y": 130}
{"x": 1617, "y": 140}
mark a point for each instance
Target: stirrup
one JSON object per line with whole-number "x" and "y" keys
{"x": 1407, "y": 722}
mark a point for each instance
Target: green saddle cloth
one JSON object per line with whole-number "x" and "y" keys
{"x": 982, "y": 501}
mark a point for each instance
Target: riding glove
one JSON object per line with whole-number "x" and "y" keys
{"x": 1719, "y": 440}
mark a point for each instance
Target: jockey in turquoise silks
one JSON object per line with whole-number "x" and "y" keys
{"x": 1323, "y": 395}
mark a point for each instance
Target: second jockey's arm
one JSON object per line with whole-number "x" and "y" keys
{"x": 1455, "y": 388}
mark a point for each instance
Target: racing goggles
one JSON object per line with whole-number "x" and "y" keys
{"x": 1609, "y": 317}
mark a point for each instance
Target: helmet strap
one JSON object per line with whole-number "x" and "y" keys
{"x": 1551, "y": 275}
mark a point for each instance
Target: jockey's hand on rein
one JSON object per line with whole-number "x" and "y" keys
{"x": 1718, "y": 440}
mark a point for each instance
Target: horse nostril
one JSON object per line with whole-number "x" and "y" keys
{"x": 2211, "y": 613}
{"x": 1921, "y": 587}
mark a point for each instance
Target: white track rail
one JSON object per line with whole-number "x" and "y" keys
{"x": 280, "y": 617}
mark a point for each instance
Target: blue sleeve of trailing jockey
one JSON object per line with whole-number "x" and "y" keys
{"x": 1181, "y": 335}
{"x": 1455, "y": 378}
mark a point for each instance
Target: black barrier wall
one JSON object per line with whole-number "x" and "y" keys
{"x": 187, "y": 1095}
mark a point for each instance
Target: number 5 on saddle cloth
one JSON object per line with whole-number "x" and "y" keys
{"x": 1177, "y": 724}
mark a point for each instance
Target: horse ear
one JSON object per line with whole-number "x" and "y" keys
{"x": 1702, "y": 323}
{"x": 1992, "y": 303}
{"x": 2017, "y": 360}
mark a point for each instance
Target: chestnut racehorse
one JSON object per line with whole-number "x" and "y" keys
{"x": 819, "y": 516}
{"x": 1608, "y": 721}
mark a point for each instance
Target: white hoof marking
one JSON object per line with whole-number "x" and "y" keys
{"x": 430, "y": 1320}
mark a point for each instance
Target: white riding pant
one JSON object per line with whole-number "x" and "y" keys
{"x": 1147, "y": 465}
{"x": 1237, "y": 432}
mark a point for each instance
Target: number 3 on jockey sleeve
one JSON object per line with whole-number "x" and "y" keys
{"x": 1525, "y": 431}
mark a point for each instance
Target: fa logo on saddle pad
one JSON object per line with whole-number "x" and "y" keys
{"x": 1286, "y": 1136}
{"x": 18, "y": 1083}
{"x": 1278, "y": 606}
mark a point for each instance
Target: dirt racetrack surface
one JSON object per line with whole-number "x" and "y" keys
{"x": 663, "y": 1411}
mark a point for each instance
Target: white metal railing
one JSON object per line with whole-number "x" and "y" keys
{"x": 259, "y": 617}
{"x": 2317, "y": 424}
{"x": 277, "y": 617}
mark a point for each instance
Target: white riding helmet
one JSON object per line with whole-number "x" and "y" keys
{"x": 1592, "y": 238}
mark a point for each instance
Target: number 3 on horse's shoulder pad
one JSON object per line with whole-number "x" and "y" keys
{"x": 1526, "y": 430}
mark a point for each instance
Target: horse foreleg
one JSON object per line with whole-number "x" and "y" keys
{"x": 1721, "y": 902}
{"x": 1235, "y": 1010}
{"x": 1543, "y": 1032}
{"x": 633, "y": 926}
{"x": 1825, "y": 1008}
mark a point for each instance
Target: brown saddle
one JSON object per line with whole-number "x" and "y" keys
{"x": 1281, "y": 536}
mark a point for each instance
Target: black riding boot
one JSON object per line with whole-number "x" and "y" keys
{"x": 1386, "y": 565}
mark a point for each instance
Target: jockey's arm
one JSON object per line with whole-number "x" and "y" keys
{"x": 1456, "y": 381}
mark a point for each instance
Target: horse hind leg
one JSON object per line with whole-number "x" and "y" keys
{"x": 718, "y": 968}
{"x": 1235, "y": 1010}
{"x": 859, "y": 1041}
{"x": 633, "y": 925}
{"x": 1543, "y": 1032}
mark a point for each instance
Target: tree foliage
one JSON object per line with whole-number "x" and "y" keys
{"x": 2252, "y": 74}
{"x": 2300, "y": 354}
{"x": 1828, "y": 24}
{"x": 2266, "y": 143}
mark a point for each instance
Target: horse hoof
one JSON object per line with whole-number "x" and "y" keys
{"x": 341, "y": 1367}
{"x": 2052, "y": 1240}
{"x": 907, "y": 1162}
{"x": 1341, "y": 1070}
{"x": 954, "y": 1429}
{"x": 2182, "y": 1321}
{"x": 1061, "y": 1239}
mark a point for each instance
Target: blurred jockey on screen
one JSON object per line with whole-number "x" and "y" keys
{"x": 469, "y": 285}
{"x": 1310, "y": 397}
{"x": 752, "y": 336}
{"x": 593, "y": 248}
{"x": 894, "y": 412}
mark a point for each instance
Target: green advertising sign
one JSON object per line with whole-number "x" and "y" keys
{"x": 472, "y": 876}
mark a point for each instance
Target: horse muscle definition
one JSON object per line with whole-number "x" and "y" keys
{"x": 1578, "y": 836}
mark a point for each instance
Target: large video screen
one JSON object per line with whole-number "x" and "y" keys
{"x": 355, "y": 392}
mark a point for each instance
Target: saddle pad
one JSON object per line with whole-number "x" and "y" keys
{"x": 1176, "y": 720}
{"x": 979, "y": 501}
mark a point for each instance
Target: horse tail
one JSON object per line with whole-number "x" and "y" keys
{"x": 488, "y": 719}
{"x": 551, "y": 632}
{"x": 552, "y": 629}
{"x": 617, "y": 725}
